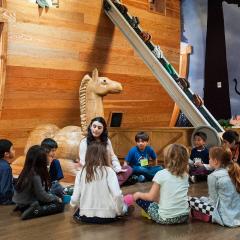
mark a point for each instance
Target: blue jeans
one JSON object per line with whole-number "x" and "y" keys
{"x": 55, "y": 171}
{"x": 148, "y": 172}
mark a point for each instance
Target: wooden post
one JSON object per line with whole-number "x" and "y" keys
{"x": 185, "y": 51}
{"x": 5, "y": 17}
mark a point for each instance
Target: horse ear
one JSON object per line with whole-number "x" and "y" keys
{"x": 95, "y": 74}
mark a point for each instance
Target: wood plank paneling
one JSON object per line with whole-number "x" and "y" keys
{"x": 50, "y": 51}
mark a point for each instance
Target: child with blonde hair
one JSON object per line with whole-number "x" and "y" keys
{"x": 167, "y": 201}
{"x": 223, "y": 203}
{"x": 97, "y": 197}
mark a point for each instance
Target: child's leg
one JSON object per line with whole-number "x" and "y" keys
{"x": 201, "y": 206}
{"x": 148, "y": 172}
{"x": 138, "y": 170}
{"x": 35, "y": 210}
{"x": 153, "y": 170}
{"x": 57, "y": 189}
{"x": 97, "y": 220}
{"x": 143, "y": 204}
{"x": 123, "y": 176}
{"x": 55, "y": 171}
{"x": 151, "y": 208}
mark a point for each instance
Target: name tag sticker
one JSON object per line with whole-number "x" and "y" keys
{"x": 144, "y": 162}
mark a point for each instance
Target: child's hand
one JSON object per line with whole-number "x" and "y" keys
{"x": 122, "y": 170}
{"x": 136, "y": 196}
{"x": 198, "y": 164}
{"x": 77, "y": 164}
{"x": 125, "y": 164}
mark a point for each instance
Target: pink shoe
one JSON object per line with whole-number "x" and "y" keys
{"x": 128, "y": 199}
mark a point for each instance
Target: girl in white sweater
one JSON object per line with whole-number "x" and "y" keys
{"x": 97, "y": 194}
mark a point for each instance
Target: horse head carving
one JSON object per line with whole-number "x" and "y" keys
{"x": 91, "y": 93}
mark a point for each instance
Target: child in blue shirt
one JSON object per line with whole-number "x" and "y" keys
{"x": 139, "y": 156}
{"x": 7, "y": 153}
{"x": 55, "y": 170}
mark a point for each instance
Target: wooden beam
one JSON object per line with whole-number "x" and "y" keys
{"x": 5, "y": 17}
{"x": 185, "y": 51}
{"x": 3, "y": 60}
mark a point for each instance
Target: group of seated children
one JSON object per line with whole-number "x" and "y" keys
{"x": 36, "y": 192}
{"x": 97, "y": 197}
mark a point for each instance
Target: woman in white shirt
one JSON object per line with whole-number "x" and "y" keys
{"x": 97, "y": 131}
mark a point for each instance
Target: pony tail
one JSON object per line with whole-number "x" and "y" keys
{"x": 234, "y": 173}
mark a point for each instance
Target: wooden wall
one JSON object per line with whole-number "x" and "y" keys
{"x": 49, "y": 51}
{"x": 124, "y": 139}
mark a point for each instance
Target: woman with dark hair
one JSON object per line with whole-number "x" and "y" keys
{"x": 97, "y": 131}
{"x": 31, "y": 191}
{"x": 231, "y": 140}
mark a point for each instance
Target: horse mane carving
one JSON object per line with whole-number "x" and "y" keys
{"x": 82, "y": 101}
{"x": 91, "y": 93}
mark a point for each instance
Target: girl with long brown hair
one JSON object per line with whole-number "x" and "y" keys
{"x": 223, "y": 203}
{"x": 32, "y": 195}
{"x": 97, "y": 194}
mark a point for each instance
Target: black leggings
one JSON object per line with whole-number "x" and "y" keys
{"x": 39, "y": 210}
{"x": 97, "y": 220}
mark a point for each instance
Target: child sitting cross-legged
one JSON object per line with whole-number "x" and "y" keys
{"x": 223, "y": 204}
{"x": 55, "y": 170}
{"x": 139, "y": 156}
{"x": 199, "y": 158}
{"x": 167, "y": 201}
{"x": 31, "y": 193}
{"x": 97, "y": 197}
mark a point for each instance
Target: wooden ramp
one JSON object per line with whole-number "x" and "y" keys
{"x": 159, "y": 66}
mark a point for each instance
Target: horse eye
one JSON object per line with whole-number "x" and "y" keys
{"x": 104, "y": 81}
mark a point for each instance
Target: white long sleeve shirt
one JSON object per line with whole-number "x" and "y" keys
{"x": 83, "y": 149}
{"x": 99, "y": 198}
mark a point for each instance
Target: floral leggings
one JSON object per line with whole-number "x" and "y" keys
{"x": 152, "y": 209}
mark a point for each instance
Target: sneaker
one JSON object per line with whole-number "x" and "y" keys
{"x": 157, "y": 52}
{"x": 141, "y": 178}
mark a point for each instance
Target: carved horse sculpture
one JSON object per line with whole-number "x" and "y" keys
{"x": 91, "y": 93}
